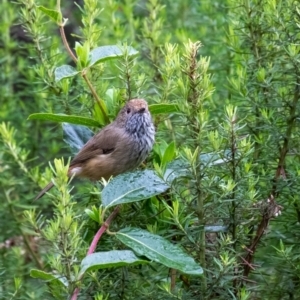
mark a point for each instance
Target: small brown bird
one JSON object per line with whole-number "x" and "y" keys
{"x": 119, "y": 147}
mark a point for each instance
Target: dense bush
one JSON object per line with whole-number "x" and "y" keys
{"x": 219, "y": 192}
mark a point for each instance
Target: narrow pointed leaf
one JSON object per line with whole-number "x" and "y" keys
{"x": 110, "y": 259}
{"x": 158, "y": 249}
{"x": 132, "y": 187}
{"x": 41, "y": 275}
{"x": 48, "y": 276}
{"x": 163, "y": 108}
{"x": 83, "y": 53}
{"x": 104, "y": 53}
{"x": 92, "y": 215}
{"x": 55, "y": 15}
{"x": 64, "y": 71}
{"x": 64, "y": 118}
{"x": 169, "y": 153}
{"x": 98, "y": 115}
{"x": 76, "y": 136}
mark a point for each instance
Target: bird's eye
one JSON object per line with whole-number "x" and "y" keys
{"x": 128, "y": 110}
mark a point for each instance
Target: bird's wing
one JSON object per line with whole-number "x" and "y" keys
{"x": 104, "y": 142}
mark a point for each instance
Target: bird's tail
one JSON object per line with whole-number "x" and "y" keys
{"x": 44, "y": 190}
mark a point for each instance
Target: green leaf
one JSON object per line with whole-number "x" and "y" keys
{"x": 55, "y": 15}
{"x": 216, "y": 228}
{"x": 83, "y": 53}
{"x": 212, "y": 158}
{"x": 104, "y": 53}
{"x": 132, "y": 187}
{"x": 93, "y": 213}
{"x": 64, "y": 118}
{"x": 110, "y": 259}
{"x": 76, "y": 136}
{"x": 176, "y": 169}
{"x": 169, "y": 153}
{"x": 98, "y": 114}
{"x": 64, "y": 71}
{"x": 158, "y": 249}
{"x": 41, "y": 275}
{"x": 180, "y": 168}
{"x": 163, "y": 108}
{"x": 48, "y": 276}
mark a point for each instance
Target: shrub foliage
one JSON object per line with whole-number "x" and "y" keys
{"x": 213, "y": 212}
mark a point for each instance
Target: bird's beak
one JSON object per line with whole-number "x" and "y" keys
{"x": 142, "y": 110}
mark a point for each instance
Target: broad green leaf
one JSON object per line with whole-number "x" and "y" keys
{"x": 176, "y": 169}
{"x": 158, "y": 249}
{"x": 163, "y": 108}
{"x": 64, "y": 71}
{"x": 213, "y": 158}
{"x": 48, "y": 276}
{"x": 104, "y": 53}
{"x": 110, "y": 259}
{"x": 169, "y": 153}
{"x": 132, "y": 187}
{"x": 180, "y": 168}
{"x": 64, "y": 118}
{"x": 55, "y": 15}
{"x": 76, "y": 136}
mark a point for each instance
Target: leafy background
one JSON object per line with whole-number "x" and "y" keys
{"x": 232, "y": 146}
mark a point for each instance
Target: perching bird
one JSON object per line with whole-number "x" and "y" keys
{"x": 119, "y": 147}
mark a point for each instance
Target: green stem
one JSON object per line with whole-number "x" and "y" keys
{"x": 202, "y": 246}
{"x": 96, "y": 97}
{"x": 83, "y": 73}
{"x": 25, "y": 237}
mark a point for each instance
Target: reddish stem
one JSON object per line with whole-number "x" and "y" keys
{"x": 95, "y": 241}
{"x": 102, "y": 229}
{"x": 65, "y": 42}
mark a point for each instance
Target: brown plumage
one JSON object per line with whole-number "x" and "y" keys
{"x": 119, "y": 147}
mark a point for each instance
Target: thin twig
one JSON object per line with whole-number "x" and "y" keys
{"x": 66, "y": 44}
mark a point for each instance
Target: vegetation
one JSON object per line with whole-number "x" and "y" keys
{"x": 214, "y": 211}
